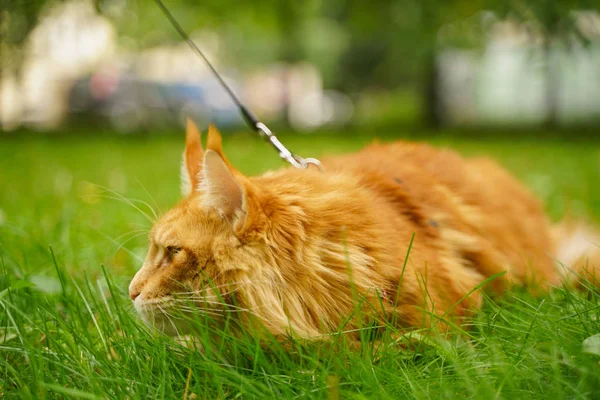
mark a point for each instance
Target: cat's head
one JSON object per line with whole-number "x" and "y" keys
{"x": 213, "y": 245}
{"x": 271, "y": 251}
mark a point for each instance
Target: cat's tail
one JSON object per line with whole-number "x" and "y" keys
{"x": 577, "y": 251}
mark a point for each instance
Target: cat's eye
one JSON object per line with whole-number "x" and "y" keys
{"x": 172, "y": 250}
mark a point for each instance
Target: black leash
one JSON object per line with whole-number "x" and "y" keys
{"x": 251, "y": 120}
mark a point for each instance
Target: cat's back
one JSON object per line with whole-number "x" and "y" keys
{"x": 474, "y": 197}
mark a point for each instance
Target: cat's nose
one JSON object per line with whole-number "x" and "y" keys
{"x": 134, "y": 294}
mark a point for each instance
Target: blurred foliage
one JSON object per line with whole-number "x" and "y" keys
{"x": 19, "y": 17}
{"x": 379, "y": 42}
{"x": 17, "y": 20}
{"x": 357, "y": 45}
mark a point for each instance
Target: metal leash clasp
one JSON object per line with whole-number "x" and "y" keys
{"x": 294, "y": 159}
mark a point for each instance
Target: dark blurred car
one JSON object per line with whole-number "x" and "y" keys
{"x": 129, "y": 103}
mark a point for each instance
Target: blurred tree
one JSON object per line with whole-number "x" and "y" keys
{"x": 556, "y": 20}
{"x": 254, "y": 33}
{"x": 17, "y": 19}
{"x": 397, "y": 41}
{"x": 380, "y": 43}
{"x": 356, "y": 44}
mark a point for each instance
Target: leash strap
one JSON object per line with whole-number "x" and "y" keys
{"x": 260, "y": 128}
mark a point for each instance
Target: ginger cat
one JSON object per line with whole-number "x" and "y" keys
{"x": 297, "y": 250}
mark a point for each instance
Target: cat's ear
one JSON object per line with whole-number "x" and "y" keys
{"x": 214, "y": 142}
{"x": 222, "y": 189}
{"x": 192, "y": 159}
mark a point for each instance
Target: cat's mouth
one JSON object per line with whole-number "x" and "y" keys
{"x": 141, "y": 304}
{"x": 170, "y": 305}
{"x": 167, "y": 315}
{"x": 175, "y": 316}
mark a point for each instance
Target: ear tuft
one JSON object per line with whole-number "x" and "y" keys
{"x": 192, "y": 133}
{"x": 215, "y": 140}
{"x": 192, "y": 158}
{"x": 215, "y": 143}
{"x": 222, "y": 190}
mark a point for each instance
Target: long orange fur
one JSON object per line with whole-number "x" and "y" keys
{"x": 297, "y": 248}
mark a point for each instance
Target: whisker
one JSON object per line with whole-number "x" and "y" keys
{"x": 122, "y": 245}
{"x": 131, "y": 253}
{"x": 121, "y": 196}
{"x": 131, "y": 202}
{"x": 198, "y": 298}
{"x": 137, "y": 231}
{"x": 169, "y": 301}
{"x": 202, "y": 311}
{"x": 128, "y": 202}
{"x": 217, "y": 276}
{"x": 200, "y": 294}
{"x": 236, "y": 308}
{"x": 151, "y": 198}
{"x": 196, "y": 310}
{"x": 166, "y": 314}
{"x": 210, "y": 287}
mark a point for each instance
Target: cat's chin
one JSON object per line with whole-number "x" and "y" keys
{"x": 162, "y": 316}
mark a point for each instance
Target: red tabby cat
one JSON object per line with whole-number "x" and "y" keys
{"x": 299, "y": 249}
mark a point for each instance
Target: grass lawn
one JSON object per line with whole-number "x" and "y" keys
{"x": 69, "y": 246}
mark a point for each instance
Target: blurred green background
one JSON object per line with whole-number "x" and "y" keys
{"x": 307, "y": 65}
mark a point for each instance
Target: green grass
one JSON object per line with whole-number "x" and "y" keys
{"x": 68, "y": 249}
